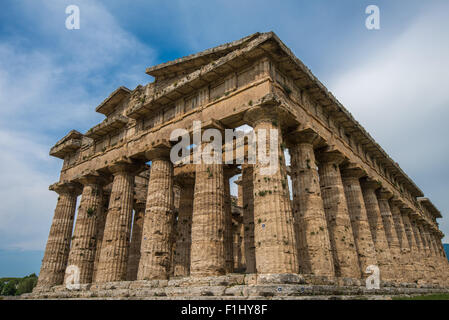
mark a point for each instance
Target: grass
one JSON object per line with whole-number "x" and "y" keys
{"x": 438, "y": 296}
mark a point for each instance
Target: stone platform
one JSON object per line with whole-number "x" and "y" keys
{"x": 237, "y": 286}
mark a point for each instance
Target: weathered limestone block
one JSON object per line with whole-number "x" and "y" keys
{"x": 359, "y": 218}
{"x": 248, "y": 217}
{"x": 314, "y": 248}
{"x": 156, "y": 246}
{"x": 84, "y": 241}
{"x": 117, "y": 233}
{"x": 409, "y": 270}
{"x": 414, "y": 252}
{"x": 57, "y": 249}
{"x": 338, "y": 221}
{"x": 383, "y": 255}
{"x": 275, "y": 242}
{"x": 184, "y": 231}
{"x": 208, "y": 222}
{"x": 383, "y": 197}
{"x": 136, "y": 241}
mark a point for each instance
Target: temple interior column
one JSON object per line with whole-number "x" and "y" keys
{"x": 383, "y": 255}
{"x": 338, "y": 221}
{"x": 229, "y": 249}
{"x": 359, "y": 219}
{"x": 184, "y": 230}
{"x": 156, "y": 247}
{"x": 314, "y": 247}
{"x": 136, "y": 241}
{"x": 57, "y": 249}
{"x": 248, "y": 217}
{"x": 101, "y": 223}
{"x": 84, "y": 241}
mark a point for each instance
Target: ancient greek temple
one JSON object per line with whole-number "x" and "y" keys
{"x": 146, "y": 226}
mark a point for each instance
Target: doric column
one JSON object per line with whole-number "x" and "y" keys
{"x": 383, "y": 197}
{"x": 435, "y": 264}
{"x": 208, "y": 222}
{"x": 229, "y": 250}
{"x": 338, "y": 221}
{"x": 383, "y": 255}
{"x": 117, "y": 232}
{"x": 184, "y": 231}
{"x": 57, "y": 249}
{"x": 136, "y": 241}
{"x": 84, "y": 241}
{"x": 410, "y": 271}
{"x": 248, "y": 217}
{"x": 359, "y": 218}
{"x": 314, "y": 248}
{"x": 156, "y": 248}
{"x": 422, "y": 250}
{"x": 101, "y": 223}
{"x": 276, "y": 249}
{"x": 414, "y": 252}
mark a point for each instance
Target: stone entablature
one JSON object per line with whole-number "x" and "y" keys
{"x": 340, "y": 175}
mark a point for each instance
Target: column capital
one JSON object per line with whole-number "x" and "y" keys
{"x": 370, "y": 183}
{"x": 384, "y": 194}
{"x": 397, "y": 202}
{"x": 304, "y": 135}
{"x": 91, "y": 177}
{"x": 268, "y": 109}
{"x": 159, "y": 150}
{"x": 125, "y": 164}
{"x": 353, "y": 170}
{"x": 66, "y": 187}
{"x": 328, "y": 155}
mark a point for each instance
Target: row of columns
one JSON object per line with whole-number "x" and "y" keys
{"x": 338, "y": 223}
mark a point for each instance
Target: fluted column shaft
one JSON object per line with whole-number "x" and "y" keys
{"x": 208, "y": 222}
{"x": 184, "y": 232}
{"x": 391, "y": 234}
{"x": 101, "y": 223}
{"x": 248, "y": 218}
{"x": 156, "y": 245}
{"x": 136, "y": 242}
{"x": 84, "y": 241}
{"x": 57, "y": 249}
{"x": 229, "y": 245}
{"x": 338, "y": 221}
{"x": 414, "y": 252}
{"x": 275, "y": 242}
{"x": 410, "y": 271}
{"x": 383, "y": 254}
{"x": 314, "y": 248}
{"x": 115, "y": 246}
{"x": 422, "y": 250}
{"x": 359, "y": 219}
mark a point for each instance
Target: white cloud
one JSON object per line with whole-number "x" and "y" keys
{"x": 399, "y": 94}
{"x": 47, "y": 90}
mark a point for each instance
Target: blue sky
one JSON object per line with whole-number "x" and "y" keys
{"x": 393, "y": 80}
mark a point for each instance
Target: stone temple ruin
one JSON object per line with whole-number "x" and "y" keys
{"x": 169, "y": 230}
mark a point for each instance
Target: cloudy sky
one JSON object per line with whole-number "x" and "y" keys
{"x": 393, "y": 80}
